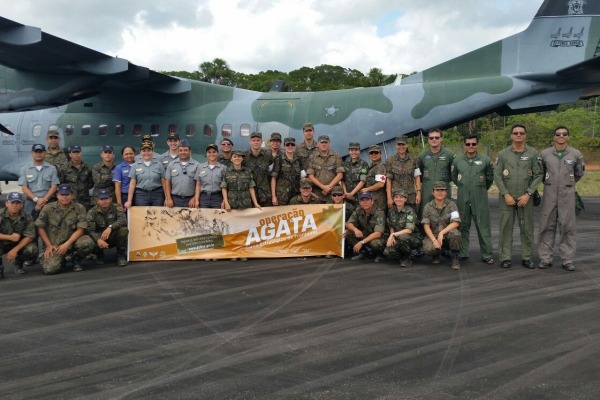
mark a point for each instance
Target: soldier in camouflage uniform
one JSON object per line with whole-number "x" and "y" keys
{"x": 275, "y": 144}
{"x": 440, "y": 223}
{"x": 402, "y": 222}
{"x": 78, "y": 175}
{"x": 337, "y": 197}
{"x": 17, "y": 234}
{"x": 237, "y": 183}
{"x": 365, "y": 230}
{"x": 226, "y": 151}
{"x": 102, "y": 173}
{"x": 435, "y": 164}
{"x": 403, "y": 173}
{"x": 107, "y": 226}
{"x": 325, "y": 169}
{"x": 54, "y": 154}
{"x": 375, "y": 182}
{"x": 306, "y": 195}
{"x": 61, "y": 227}
{"x": 308, "y": 146}
{"x": 257, "y": 161}
{"x": 285, "y": 177}
{"x": 355, "y": 173}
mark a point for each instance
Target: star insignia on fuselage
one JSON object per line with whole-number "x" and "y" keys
{"x": 331, "y": 111}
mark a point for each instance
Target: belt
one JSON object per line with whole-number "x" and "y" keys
{"x": 150, "y": 190}
{"x": 182, "y": 197}
{"x": 209, "y": 193}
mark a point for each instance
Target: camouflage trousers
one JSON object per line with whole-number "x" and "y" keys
{"x": 376, "y": 246}
{"x": 452, "y": 242}
{"x": 27, "y": 253}
{"x": 402, "y": 248}
{"x": 116, "y": 239}
{"x": 82, "y": 247}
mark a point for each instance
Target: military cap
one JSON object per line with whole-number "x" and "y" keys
{"x": 38, "y": 147}
{"x": 52, "y": 133}
{"x": 103, "y": 194}
{"x": 238, "y": 153}
{"x": 305, "y": 184}
{"x": 308, "y": 125}
{"x": 337, "y": 189}
{"x": 226, "y": 140}
{"x": 146, "y": 145}
{"x": 401, "y": 139}
{"x": 212, "y": 146}
{"x": 375, "y": 147}
{"x": 400, "y": 192}
{"x": 289, "y": 140}
{"x": 172, "y": 135}
{"x": 15, "y": 196}
{"x": 354, "y": 145}
{"x": 275, "y": 136}
{"x": 64, "y": 188}
{"x": 74, "y": 148}
{"x": 184, "y": 143}
{"x": 147, "y": 138}
{"x": 323, "y": 138}
{"x": 108, "y": 148}
{"x": 365, "y": 195}
{"x": 256, "y": 134}
{"x": 440, "y": 185}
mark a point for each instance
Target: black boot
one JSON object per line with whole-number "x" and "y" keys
{"x": 1, "y": 272}
{"x": 455, "y": 262}
{"x": 77, "y": 263}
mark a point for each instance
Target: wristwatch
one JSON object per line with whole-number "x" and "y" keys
{"x": 35, "y": 199}
{"x": 362, "y": 242}
{"x": 110, "y": 226}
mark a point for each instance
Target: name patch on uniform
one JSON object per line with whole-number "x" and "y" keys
{"x": 442, "y": 158}
{"x": 569, "y": 162}
{"x": 139, "y": 169}
{"x": 524, "y": 158}
{"x": 478, "y": 162}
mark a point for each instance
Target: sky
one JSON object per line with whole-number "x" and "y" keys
{"x": 397, "y": 36}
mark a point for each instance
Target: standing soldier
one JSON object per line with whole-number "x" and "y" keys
{"x": 440, "y": 222}
{"x": 403, "y": 173}
{"x": 78, "y": 175}
{"x": 61, "y": 227}
{"x": 275, "y": 144}
{"x": 308, "y": 145}
{"x": 375, "y": 182}
{"x": 173, "y": 142}
{"x": 402, "y": 222}
{"x": 563, "y": 166}
{"x": 285, "y": 177}
{"x": 107, "y": 227}
{"x": 102, "y": 173}
{"x": 517, "y": 173}
{"x": 473, "y": 174}
{"x": 208, "y": 180}
{"x": 180, "y": 183}
{"x": 38, "y": 181}
{"x": 17, "y": 234}
{"x": 146, "y": 180}
{"x": 257, "y": 161}
{"x": 365, "y": 229}
{"x": 355, "y": 173}
{"x": 324, "y": 169}
{"x": 238, "y": 185}
{"x": 434, "y": 164}
{"x": 54, "y": 154}
{"x": 226, "y": 151}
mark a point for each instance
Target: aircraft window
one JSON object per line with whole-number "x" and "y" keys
{"x": 69, "y": 130}
{"x": 154, "y": 129}
{"x": 245, "y": 130}
{"x": 120, "y": 130}
{"x": 37, "y": 130}
{"x": 226, "y": 130}
{"x": 137, "y": 130}
{"x": 208, "y": 130}
{"x": 103, "y": 130}
{"x": 173, "y": 128}
{"x": 190, "y": 130}
{"x": 85, "y": 129}
{"x": 4, "y": 133}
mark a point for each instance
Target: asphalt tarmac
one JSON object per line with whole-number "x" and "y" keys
{"x": 307, "y": 329}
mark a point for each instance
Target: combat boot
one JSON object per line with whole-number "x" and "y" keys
{"x": 19, "y": 270}
{"x": 1, "y": 272}
{"x": 455, "y": 264}
{"x": 77, "y": 263}
{"x": 121, "y": 259}
{"x": 100, "y": 257}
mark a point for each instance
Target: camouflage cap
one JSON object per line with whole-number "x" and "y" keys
{"x": 52, "y": 133}
{"x": 401, "y": 139}
{"x": 324, "y": 138}
{"x": 305, "y": 184}
{"x": 365, "y": 195}
{"x": 308, "y": 125}
{"x": 275, "y": 136}
{"x": 400, "y": 192}
{"x": 238, "y": 153}
{"x": 289, "y": 140}
{"x": 375, "y": 147}
{"x": 256, "y": 134}
{"x": 15, "y": 196}
{"x": 337, "y": 189}
{"x": 354, "y": 145}
{"x": 440, "y": 185}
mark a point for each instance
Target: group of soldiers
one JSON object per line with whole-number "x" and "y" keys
{"x": 405, "y": 197}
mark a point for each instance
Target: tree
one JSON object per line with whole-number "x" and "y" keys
{"x": 216, "y": 71}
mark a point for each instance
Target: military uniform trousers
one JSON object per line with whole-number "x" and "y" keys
{"x": 82, "y": 247}
{"x": 480, "y": 214}
{"x": 376, "y": 246}
{"x": 27, "y": 253}
{"x": 524, "y": 216}
{"x": 404, "y": 244}
{"x": 452, "y": 242}
{"x": 116, "y": 239}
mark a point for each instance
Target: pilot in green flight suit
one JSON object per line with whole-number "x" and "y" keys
{"x": 517, "y": 173}
{"x": 473, "y": 174}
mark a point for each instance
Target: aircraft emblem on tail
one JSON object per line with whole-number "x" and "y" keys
{"x": 576, "y": 7}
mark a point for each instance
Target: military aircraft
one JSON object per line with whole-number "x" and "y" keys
{"x": 94, "y": 99}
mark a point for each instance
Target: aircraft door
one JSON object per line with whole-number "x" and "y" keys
{"x": 275, "y": 116}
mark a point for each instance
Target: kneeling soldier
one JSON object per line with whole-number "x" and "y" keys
{"x": 402, "y": 221}
{"x": 107, "y": 226}
{"x": 61, "y": 227}
{"x": 17, "y": 233}
{"x": 365, "y": 229}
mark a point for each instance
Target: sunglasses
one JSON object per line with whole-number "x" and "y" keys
{"x": 336, "y": 195}
{"x": 471, "y": 144}
{"x": 373, "y": 152}
{"x": 290, "y": 144}
{"x": 561, "y": 134}
{"x": 107, "y": 152}
{"x": 434, "y": 137}
{"x": 519, "y": 133}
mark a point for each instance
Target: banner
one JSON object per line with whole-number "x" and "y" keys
{"x": 161, "y": 233}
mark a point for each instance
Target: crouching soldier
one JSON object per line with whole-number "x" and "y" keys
{"x": 402, "y": 221}
{"x": 365, "y": 229}
{"x": 107, "y": 226}
{"x": 61, "y": 227}
{"x": 17, "y": 233}
{"x": 440, "y": 223}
